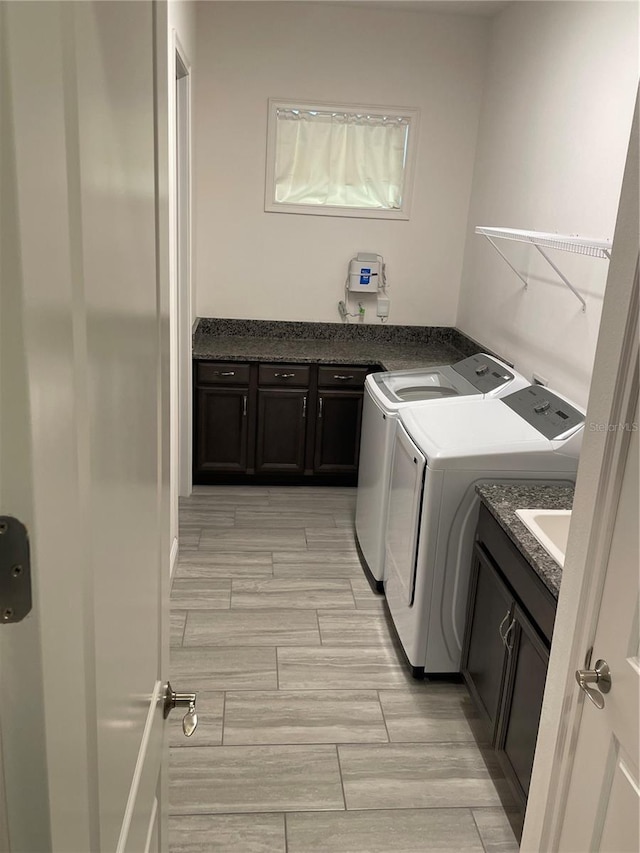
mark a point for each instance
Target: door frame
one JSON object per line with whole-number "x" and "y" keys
{"x": 180, "y": 278}
{"x": 614, "y": 391}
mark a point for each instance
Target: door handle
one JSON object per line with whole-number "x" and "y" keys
{"x": 244, "y": 406}
{"x": 304, "y": 407}
{"x": 600, "y": 677}
{"x": 284, "y": 375}
{"x": 341, "y": 377}
{"x": 225, "y": 373}
{"x": 321, "y": 407}
{"x": 181, "y": 700}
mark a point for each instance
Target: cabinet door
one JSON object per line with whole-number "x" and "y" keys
{"x": 282, "y": 427}
{"x": 337, "y": 442}
{"x": 484, "y": 652}
{"x": 221, "y": 429}
{"x": 524, "y": 690}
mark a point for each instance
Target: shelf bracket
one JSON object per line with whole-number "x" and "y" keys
{"x": 583, "y": 246}
{"x": 562, "y": 276}
{"x": 508, "y": 262}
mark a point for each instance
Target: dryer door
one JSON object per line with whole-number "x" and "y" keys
{"x": 408, "y": 473}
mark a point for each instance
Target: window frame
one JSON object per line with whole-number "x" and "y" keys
{"x": 273, "y": 206}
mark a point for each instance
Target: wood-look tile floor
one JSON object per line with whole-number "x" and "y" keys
{"x": 313, "y": 737}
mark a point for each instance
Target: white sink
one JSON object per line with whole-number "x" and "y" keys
{"x": 550, "y": 527}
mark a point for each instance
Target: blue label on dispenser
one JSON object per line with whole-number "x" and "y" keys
{"x": 364, "y": 279}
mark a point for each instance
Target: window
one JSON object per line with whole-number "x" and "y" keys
{"x": 340, "y": 160}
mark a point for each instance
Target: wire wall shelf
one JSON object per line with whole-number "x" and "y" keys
{"x": 545, "y": 240}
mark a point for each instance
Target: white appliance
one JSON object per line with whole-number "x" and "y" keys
{"x": 439, "y": 455}
{"x": 385, "y": 395}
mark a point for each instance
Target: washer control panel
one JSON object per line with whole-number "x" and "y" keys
{"x": 544, "y": 410}
{"x": 483, "y": 372}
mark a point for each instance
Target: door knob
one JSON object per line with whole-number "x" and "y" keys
{"x": 600, "y": 677}
{"x": 181, "y": 700}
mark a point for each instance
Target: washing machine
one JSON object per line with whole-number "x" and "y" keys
{"x": 439, "y": 455}
{"x": 385, "y": 395}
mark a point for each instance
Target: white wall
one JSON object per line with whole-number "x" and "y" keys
{"x": 553, "y": 138}
{"x": 253, "y": 264}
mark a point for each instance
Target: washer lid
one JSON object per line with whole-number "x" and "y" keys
{"x": 436, "y": 383}
{"x": 472, "y": 433}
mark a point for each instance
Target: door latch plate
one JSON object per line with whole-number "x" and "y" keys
{"x": 15, "y": 570}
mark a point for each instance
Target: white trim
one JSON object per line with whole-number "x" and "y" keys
{"x": 153, "y": 711}
{"x": 152, "y": 826}
{"x": 4, "y": 819}
{"x": 173, "y": 556}
{"x": 272, "y": 206}
{"x": 613, "y": 391}
{"x": 183, "y": 271}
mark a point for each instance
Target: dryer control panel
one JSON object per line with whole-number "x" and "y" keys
{"x": 483, "y": 372}
{"x": 549, "y": 414}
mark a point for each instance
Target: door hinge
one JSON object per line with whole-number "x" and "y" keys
{"x": 15, "y": 570}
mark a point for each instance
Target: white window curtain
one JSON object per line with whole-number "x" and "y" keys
{"x": 341, "y": 159}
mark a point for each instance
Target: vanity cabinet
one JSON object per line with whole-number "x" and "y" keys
{"x": 283, "y": 403}
{"x": 510, "y": 616}
{"x": 338, "y": 419}
{"x": 277, "y": 423}
{"x": 223, "y": 406}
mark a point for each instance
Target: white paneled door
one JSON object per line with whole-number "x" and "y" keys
{"x": 84, "y": 404}
{"x": 602, "y": 811}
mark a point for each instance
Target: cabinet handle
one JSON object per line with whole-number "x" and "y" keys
{"x": 503, "y": 636}
{"x": 225, "y": 373}
{"x": 304, "y": 407}
{"x": 320, "y": 409}
{"x": 244, "y": 406}
{"x": 284, "y": 375}
{"x": 508, "y": 647}
{"x": 342, "y": 378}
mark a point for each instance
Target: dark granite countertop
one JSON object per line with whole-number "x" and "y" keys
{"x": 392, "y": 347}
{"x": 503, "y": 500}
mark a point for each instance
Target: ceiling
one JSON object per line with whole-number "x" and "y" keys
{"x": 483, "y": 8}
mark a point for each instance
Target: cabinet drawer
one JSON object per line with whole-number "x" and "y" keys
{"x": 222, "y": 373}
{"x": 283, "y": 374}
{"x": 342, "y": 376}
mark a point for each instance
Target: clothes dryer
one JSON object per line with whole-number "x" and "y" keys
{"x": 440, "y": 454}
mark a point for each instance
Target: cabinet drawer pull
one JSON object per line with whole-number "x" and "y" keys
{"x": 225, "y": 372}
{"x": 321, "y": 407}
{"x": 244, "y": 406}
{"x": 284, "y": 375}
{"x": 304, "y": 407}
{"x": 341, "y": 377}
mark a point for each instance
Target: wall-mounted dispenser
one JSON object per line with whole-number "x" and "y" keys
{"x": 364, "y": 273}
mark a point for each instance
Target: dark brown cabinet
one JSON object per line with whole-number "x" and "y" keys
{"x": 277, "y": 423}
{"x": 524, "y": 691}
{"x": 489, "y": 618}
{"x": 282, "y": 430}
{"x": 222, "y": 416}
{"x": 505, "y": 654}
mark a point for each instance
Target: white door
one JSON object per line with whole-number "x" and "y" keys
{"x": 84, "y": 405}
{"x": 602, "y": 811}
